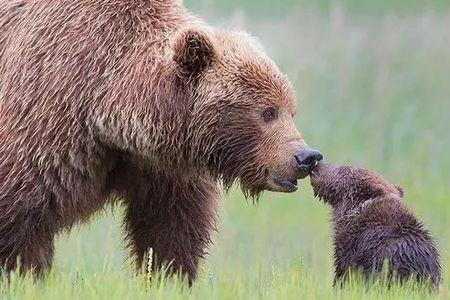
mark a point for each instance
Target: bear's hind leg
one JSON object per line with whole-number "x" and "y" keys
{"x": 27, "y": 226}
{"x": 26, "y": 246}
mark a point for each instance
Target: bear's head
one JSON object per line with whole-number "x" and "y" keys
{"x": 241, "y": 112}
{"x": 348, "y": 187}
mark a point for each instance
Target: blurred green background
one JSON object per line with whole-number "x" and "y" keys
{"x": 268, "y": 7}
{"x": 373, "y": 85}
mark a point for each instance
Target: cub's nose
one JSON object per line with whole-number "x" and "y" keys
{"x": 307, "y": 158}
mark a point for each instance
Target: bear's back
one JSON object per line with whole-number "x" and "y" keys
{"x": 59, "y": 60}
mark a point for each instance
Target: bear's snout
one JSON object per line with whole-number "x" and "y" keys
{"x": 306, "y": 159}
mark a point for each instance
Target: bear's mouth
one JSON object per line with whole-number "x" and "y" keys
{"x": 278, "y": 184}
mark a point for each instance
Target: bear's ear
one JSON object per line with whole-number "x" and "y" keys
{"x": 193, "y": 51}
{"x": 400, "y": 190}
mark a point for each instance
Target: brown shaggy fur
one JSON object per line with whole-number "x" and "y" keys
{"x": 133, "y": 100}
{"x": 372, "y": 225}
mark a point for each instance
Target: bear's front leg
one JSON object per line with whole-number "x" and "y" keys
{"x": 175, "y": 217}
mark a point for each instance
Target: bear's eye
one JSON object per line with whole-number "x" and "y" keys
{"x": 270, "y": 114}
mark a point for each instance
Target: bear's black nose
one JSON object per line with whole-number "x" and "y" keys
{"x": 307, "y": 158}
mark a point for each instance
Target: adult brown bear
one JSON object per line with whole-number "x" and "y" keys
{"x": 134, "y": 100}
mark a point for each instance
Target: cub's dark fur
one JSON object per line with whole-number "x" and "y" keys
{"x": 372, "y": 226}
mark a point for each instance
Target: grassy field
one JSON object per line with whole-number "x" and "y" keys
{"x": 373, "y": 85}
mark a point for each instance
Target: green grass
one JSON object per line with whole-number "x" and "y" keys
{"x": 373, "y": 90}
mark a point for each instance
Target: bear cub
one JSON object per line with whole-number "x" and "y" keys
{"x": 373, "y": 228}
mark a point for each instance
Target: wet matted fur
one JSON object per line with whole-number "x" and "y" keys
{"x": 373, "y": 228}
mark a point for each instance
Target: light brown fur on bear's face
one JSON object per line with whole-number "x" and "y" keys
{"x": 251, "y": 136}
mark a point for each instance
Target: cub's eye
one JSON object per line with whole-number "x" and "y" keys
{"x": 270, "y": 114}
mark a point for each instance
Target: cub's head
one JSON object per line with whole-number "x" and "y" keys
{"x": 350, "y": 186}
{"x": 242, "y": 112}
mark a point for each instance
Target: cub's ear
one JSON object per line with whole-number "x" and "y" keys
{"x": 400, "y": 190}
{"x": 193, "y": 51}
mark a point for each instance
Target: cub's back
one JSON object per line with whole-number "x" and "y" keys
{"x": 386, "y": 230}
